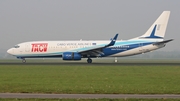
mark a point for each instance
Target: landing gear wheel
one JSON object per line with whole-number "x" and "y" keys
{"x": 89, "y": 60}
{"x": 23, "y": 61}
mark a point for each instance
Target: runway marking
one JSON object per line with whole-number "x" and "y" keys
{"x": 88, "y": 96}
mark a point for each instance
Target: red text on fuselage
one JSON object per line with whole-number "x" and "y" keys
{"x": 39, "y": 47}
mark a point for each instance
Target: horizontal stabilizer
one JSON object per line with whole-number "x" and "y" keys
{"x": 162, "y": 42}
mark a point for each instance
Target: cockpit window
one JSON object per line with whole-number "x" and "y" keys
{"x": 16, "y": 46}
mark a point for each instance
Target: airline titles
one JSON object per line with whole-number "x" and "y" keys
{"x": 74, "y": 44}
{"x": 39, "y": 47}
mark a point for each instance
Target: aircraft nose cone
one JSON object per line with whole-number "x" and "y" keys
{"x": 10, "y": 51}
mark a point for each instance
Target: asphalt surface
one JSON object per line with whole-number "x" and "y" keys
{"x": 88, "y": 96}
{"x": 84, "y": 63}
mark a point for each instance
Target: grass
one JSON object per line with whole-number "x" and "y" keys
{"x": 88, "y": 99}
{"x": 90, "y": 79}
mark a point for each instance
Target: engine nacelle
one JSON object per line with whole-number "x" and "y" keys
{"x": 71, "y": 56}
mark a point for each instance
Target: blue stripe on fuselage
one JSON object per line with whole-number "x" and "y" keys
{"x": 118, "y": 49}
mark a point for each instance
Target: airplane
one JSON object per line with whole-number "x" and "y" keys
{"x": 76, "y": 50}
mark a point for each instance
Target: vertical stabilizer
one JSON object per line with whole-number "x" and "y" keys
{"x": 158, "y": 28}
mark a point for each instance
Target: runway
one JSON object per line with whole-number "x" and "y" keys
{"x": 87, "y": 96}
{"x": 84, "y": 63}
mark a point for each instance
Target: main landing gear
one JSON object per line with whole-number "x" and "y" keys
{"x": 89, "y": 60}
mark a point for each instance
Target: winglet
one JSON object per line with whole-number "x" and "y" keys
{"x": 113, "y": 41}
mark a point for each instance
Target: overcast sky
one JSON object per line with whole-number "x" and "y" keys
{"x": 30, "y": 20}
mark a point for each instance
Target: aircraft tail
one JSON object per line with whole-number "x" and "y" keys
{"x": 158, "y": 28}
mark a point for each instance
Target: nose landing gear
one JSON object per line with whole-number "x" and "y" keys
{"x": 23, "y": 61}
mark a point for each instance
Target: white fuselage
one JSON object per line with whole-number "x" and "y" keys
{"x": 56, "y": 48}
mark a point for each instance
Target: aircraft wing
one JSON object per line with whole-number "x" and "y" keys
{"x": 97, "y": 49}
{"x": 162, "y": 42}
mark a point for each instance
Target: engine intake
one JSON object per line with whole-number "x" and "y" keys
{"x": 71, "y": 56}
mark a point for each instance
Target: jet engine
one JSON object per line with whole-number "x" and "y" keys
{"x": 71, "y": 56}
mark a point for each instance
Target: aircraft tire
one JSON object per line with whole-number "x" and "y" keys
{"x": 89, "y": 60}
{"x": 23, "y": 61}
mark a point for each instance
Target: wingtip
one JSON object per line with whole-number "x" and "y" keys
{"x": 116, "y": 36}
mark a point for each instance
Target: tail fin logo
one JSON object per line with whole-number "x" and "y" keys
{"x": 152, "y": 35}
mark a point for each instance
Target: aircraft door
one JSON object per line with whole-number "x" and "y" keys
{"x": 141, "y": 47}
